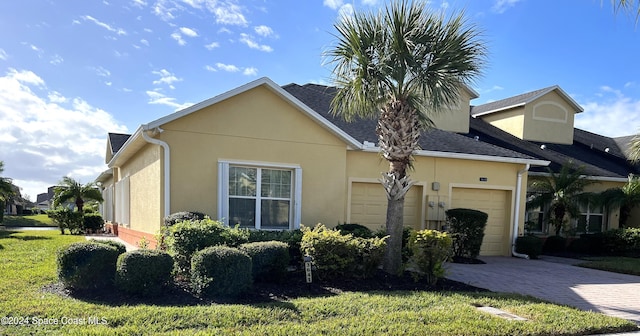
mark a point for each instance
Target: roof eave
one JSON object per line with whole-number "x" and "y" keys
{"x": 475, "y": 157}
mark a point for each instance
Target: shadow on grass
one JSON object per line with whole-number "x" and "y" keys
{"x": 4, "y": 234}
{"x": 16, "y": 221}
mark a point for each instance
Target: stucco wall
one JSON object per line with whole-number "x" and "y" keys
{"x": 260, "y": 127}
{"x": 549, "y": 119}
{"x": 510, "y": 121}
{"x": 456, "y": 117}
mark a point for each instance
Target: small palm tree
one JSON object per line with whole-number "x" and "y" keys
{"x": 624, "y": 198}
{"x": 401, "y": 66}
{"x": 70, "y": 189}
{"x": 563, "y": 192}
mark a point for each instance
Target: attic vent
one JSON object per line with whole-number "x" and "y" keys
{"x": 476, "y": 138}
{"x": 543, "y": 147}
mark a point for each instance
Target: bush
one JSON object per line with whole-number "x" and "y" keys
{"x": 467, "y": 230}
{"x": 220, "y": 271}
{"x": 406, "y": 234}
{"x": 68, "y": 219}
{"x": 622, "y": 241}
{"x": 185, "y": 238}
{"x": 580, "y": 245}
{"x": 336, "y": 255}
{"x": 87, "y": 265}
{"x": 431, "y": 249}
{"x": 270, "y": 260}
{"x": 182, "y": 216}
{"x": 143, "y": 272}
{"x": 554, "y": 244}
{"x": 529, "y": 245}
{"x": 118, "y": 245}
{"x": 356, "y": 230}
{"x": 93, "y": 222}
{"x": 291, "y": 237}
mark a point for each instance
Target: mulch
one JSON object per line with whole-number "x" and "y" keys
{"x": 293, "y": 287}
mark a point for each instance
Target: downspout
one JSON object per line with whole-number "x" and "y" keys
{"x": 516, "y": 214}
{"x": 167, "y": 167}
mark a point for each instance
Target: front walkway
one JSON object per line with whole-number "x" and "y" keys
{"x": 129, "y": 247}
{"x": 605, "y": 292}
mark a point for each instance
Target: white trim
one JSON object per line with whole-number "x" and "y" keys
{"x": 476, "y": 157}
{"x": 547, "y": 102}
{"x": 223, "y": 190}
{"x": 592, "y": 178}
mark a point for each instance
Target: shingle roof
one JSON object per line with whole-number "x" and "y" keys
{"x": 594, "y": 160}
{"x": 117, "y": 140}
{"x": 520, "y": 100}
{"x": 318, "y": 98}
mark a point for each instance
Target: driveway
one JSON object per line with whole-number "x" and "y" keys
{"x": 605, "y": 292}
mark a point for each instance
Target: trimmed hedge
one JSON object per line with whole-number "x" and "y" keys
{"x": 270, "y": 260}
{"x": 336, "y": 255}
{"x": 185, "y": 238}
{"x": 554, "y": 244}
{"x": 291, "y": 237}
{"x": 118, "y": 245}
{"x": 220, "y": 271}
{"x": 529, "y": 245}
{"x": 93, "y": 222}
{"x": 143, "y": 272}
{"x": 182, "y": 216}
{"x": 431, "y": 249}
{"x": 86, "y": 265}
{"x": 622, "y": 241}
{"x": 467, "y": 230}
{"x": 356, "y": 230}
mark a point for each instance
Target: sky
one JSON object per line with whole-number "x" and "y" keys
{"x": 72, "y": 71}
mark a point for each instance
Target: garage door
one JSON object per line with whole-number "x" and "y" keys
{"x": 369, "y": 206}
{"x": 495, "y": 204}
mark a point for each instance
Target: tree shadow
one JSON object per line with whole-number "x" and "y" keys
{"x": 4, "y": 234}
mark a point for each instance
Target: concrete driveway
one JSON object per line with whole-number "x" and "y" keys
{"x": 605, "y": 292}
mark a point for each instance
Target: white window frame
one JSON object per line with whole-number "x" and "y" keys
{"x": 223, "y": 189}
{"x": 588, "y": 213}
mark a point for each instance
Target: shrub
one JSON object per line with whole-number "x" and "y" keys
{"x": 182, "y": 216}
{"x": 187, "y": 237}
{"x": 93, "y": 222}
{"x": 270, "y": 260}
{"x": 406, "y": 234}
{"x": 220, "y": 271}
{"x": 554, "y": 244}
{"x": 87, "y": 265}
{"x": 143, "y": 272}
{"x": 336, "y": 255}
{"x": 467, "y": 230}
{"x": 120, "y": 247}
{"x": 622, "y": 241}
{"x": 356, "y": 230}
{"x": 580, "y": 245}
{"x": 291, "y": 237}
{"x": 67, "y": 219}
{"x": 431, "y": 249}
{"x": 529, "y": 245}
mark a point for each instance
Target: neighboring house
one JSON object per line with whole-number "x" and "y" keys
{"x": 268, "y": 157}
{"x": 44, "y": 201}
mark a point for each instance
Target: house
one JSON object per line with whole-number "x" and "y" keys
{"x": 268, "y": 157}
{"x": 44, "y": 201}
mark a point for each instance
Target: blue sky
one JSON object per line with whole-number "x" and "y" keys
{"x": 71, "y": 71}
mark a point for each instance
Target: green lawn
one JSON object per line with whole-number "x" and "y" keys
{"x": 623, "y": 265}
{"x": 30, "y": 220}
{"x": 29, "y": 264}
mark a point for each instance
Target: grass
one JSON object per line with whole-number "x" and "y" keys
{"x": 623, "y": 265}
{"x": 29, "y": 220}
{"x": 29, "y": 264}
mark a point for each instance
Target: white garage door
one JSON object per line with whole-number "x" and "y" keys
{"x": 369, "y": 206}
{"x": 495, "y": 204}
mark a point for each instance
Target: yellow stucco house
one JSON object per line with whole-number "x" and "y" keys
{"x": 269, "y": 157}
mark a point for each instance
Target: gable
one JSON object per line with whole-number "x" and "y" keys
{"x": 549, "y": 118}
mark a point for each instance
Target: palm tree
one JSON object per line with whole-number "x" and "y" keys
{"x": 634, "y": 149}
{"x": 70, "y": 189}
{"x": 401, "y": 66}
{"x": 7, "y": 191}
{"x": 628, "y": 6}
{"x": 563, "y": 192}
{"x": 625, "y": 198}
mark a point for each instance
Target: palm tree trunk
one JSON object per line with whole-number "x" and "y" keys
{"x": 398, "y": 132}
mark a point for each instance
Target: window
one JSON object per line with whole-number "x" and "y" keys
{"x": 534, "y": 218}
{"x": 263, "y": 196}
{"x": 590, "y": 220}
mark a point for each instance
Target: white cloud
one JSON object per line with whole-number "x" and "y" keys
{"x": 166, "y": 77}
{"x": 3, "y": 55}
{"x": 145, "y": 42}
{"x": 333, "y": 4}
{"x": 56, "y": 60}
{"x": 263, "y": 30}
{"x": 212, "y": 45}
{"x": 501, "y": 6}
{"x": 226, "y": 12}
{"x": 188, "y": 32}
{"x": 158, "y": 98}
{"x": 227, "y": 67}
{"x": 46, "y": 136}
{"x": 248, "y": 40}
{"x": 370, "y": 2}
{"x": 346, "y": 12}
{"x": 163, "y": 11}
{"x": 102, "y": 72}
{"x": 210, "y": 68}
{"x": 610, "y": 113}
{"x": 139, "y": 3}
{"x": 251, "y": 71}
{"x": 176, "y": 36}
{"x": 106, "y": 26}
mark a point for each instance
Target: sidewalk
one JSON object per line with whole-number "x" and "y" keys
{"x": 129, "y": 247}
